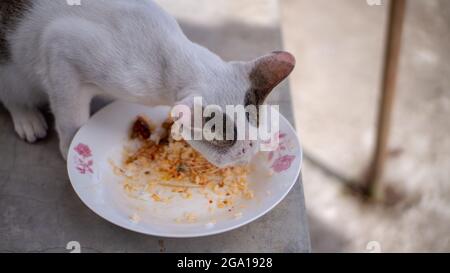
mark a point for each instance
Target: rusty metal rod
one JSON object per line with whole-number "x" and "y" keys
{"x": 389, "y": 82}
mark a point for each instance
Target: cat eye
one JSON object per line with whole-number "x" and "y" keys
{"x": 251, "y": 99}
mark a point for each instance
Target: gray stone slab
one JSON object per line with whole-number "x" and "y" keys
{"x": 40, "y": 212}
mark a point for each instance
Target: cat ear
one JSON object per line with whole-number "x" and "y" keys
{"x": 270, "y": 70}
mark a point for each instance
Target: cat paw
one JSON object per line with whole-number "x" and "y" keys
{"x": 30, "y": 125}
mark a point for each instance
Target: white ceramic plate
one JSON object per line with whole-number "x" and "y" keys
{"x": 103, "y": 137}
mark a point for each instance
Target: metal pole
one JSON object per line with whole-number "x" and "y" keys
{"x": 389, "y": 81}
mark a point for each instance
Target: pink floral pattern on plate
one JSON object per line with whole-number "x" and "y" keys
{"x": 83, "y": 159}
{"x": 279, "y": 158}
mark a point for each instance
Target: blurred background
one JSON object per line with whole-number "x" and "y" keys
{"x": 335, "y": 89}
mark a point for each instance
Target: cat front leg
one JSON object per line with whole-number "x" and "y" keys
{"x": 71, "y": 110}
{"x": 72, "y": 48}
{"x": 70, "y": 102}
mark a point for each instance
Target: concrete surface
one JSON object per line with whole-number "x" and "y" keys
{"x": 339, "y": 47}
{"x": 40, "y": 212}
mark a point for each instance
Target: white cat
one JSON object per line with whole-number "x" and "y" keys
{"x": 129, "y": 49}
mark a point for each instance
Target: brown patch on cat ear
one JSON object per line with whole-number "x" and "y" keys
{"x": 271, "y": 70}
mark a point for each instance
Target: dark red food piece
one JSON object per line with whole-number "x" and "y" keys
{"x": 141, "y": 129}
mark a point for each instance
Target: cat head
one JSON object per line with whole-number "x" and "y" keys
{"x": 244, "y": 84}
